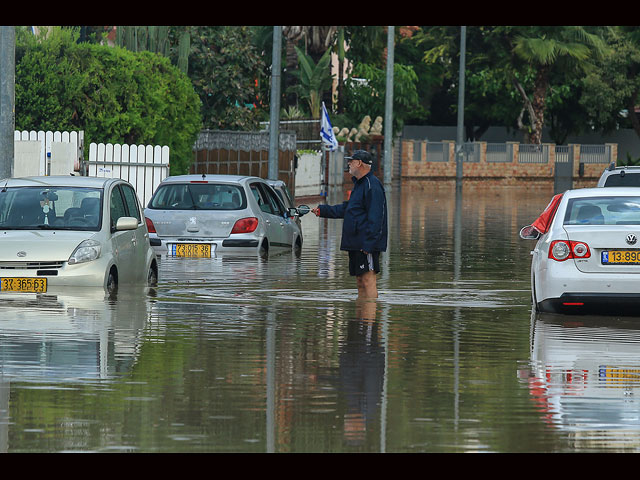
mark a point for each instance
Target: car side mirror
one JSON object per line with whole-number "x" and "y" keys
{"x": 529, "y": 233}
{"x": 303, "y": 209}
{"x": 126, "y": 223}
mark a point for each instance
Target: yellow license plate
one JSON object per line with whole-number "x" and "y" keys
{"x": 629, "y": 257}
{"x": 615, "y": 374}
{"x": 15, "y": 284}
{"x": 202, "y": 250}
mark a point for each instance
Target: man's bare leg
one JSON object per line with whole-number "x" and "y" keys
{"x": 367, "y": 285}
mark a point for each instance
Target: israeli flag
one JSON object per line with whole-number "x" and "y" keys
{"x": 326, "y": 131}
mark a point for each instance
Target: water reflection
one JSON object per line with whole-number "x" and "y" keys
{"x": 71, "y": 336}
{"x": 63, "y": 339}
{"x": 362, "y": 367}
{"x": 585, "y": 377}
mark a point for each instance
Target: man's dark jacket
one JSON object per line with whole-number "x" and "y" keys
{"x": 365, "y": 216}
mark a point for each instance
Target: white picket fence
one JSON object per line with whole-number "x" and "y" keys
{"x": 62, "y": 153}
{"x": 47, "y": 153}
{"x": 144, "y": 166}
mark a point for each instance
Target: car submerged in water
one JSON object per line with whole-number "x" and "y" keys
{"x": 587, "y": 255}
{"x": 215, "y": 215}
{"x": 72, "y": 231}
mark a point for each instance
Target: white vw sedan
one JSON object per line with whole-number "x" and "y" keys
{"x": 587, "y": 256}
{"x": 72, "y": 231}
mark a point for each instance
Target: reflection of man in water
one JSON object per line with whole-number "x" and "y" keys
{"x": 361, "y": 371}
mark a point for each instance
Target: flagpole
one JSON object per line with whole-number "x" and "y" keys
{"x": 329, "y": 143}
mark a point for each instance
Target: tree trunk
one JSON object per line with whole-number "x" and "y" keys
{"x": 528, "y": 107}
{"x": 538, "y": 104}
{"x": 535, "y": 107}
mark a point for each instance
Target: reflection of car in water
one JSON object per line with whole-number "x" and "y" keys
{"x": 74, "y": 335}
{"x": 587, "y": 255}
{"x": 585, "y": 374}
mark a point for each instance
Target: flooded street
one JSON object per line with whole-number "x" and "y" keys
{"x": 252, "y": 355}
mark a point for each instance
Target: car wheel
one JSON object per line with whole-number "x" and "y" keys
{"x": 112, "y": 282}
{"x": 152, "y": 276}
{"x": 263, "y": 251}
{"x": 297, "y": 247}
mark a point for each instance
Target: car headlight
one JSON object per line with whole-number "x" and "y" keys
{"x": 85, "y": 252}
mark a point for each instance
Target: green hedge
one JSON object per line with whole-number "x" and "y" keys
{"x": 114, "y": 95}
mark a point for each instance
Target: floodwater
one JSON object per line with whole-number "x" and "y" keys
{"x": 278, "y": 355}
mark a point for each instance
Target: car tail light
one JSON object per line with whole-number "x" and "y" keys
{"x": 561, "y": 250}
{"x": 150, "y": 226}
{"x": 245, "y": 225}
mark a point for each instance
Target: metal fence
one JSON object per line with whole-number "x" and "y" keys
{"x": 438, "y": 151}
{"x": 471, "y": 152}
{"x": 564, "y": 153}
{"x": 595, "y": 154}
{"x": 307, "y": 132}
{"x": 533, "y": 153}
{"x": 499, "y": 152}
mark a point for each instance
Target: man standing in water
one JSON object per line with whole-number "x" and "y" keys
{"x": 364, "y": 231}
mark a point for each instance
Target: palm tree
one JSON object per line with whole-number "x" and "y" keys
{"x": 545, "y": 49}
{"x": 314, "y": 79}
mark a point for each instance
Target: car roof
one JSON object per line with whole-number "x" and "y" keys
{"x": 275, "y": 183}
{"x": 618, "y": 169}
{"x": 59, "y": 181}
{"x": 602, "y": 192}
{"x": 208, "y": 178}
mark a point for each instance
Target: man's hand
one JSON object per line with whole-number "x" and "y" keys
{"x": 316, "y": 211}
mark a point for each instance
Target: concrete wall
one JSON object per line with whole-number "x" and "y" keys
{"x": 501, "y": 172}
{"x": 627, "y": 140}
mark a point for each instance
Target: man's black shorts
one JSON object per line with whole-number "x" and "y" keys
{"x": 360, "y": 263}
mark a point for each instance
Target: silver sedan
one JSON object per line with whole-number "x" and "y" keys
{"x": 214, "y": 215}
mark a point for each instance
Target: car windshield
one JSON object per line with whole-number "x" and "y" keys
{"x": 603, "y": 211}
{"x": 199, "y": 196}
{"x": 56, "y": 208}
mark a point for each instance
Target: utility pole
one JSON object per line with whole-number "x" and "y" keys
{"x": 274, "y": 119}
{"x": 7, "y": 98}
{"x": 388, "y": 106}
{"x": 460, "y": 139}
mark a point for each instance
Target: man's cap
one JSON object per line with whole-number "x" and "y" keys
{"x": 362, "y": 155}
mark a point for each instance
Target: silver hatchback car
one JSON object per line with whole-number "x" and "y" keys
{"x": 72, "y": 232}
{"x": 215, "y": 215}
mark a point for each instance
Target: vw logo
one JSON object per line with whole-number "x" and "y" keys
{"x": 21, "y": 253}
{"x": 631, "y": 239}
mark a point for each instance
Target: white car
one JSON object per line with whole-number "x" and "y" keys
{"x": 72, "y": 231}
{"x": 587, "y": 255}
{"x": 214, "y": 215}
{"x": 626, "y": 176}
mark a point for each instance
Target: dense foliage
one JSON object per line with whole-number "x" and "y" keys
{"x": 114, "y": 95}
{"x": 223, "y": 66}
